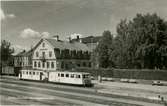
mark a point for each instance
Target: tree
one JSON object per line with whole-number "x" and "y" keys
{"x": 6, "y": 53}
{"x": 141, "y": 42}
{"x": 103, "y": 50}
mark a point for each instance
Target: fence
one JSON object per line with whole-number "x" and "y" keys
{"x": 146, "y": 74}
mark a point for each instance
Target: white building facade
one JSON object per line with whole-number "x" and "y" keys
{"x": 55, "y": 55}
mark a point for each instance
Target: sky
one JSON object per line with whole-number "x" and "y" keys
{"x": 24, "y": 23}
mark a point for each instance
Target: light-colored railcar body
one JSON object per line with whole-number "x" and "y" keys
{"x": 32, "y": 75}
{"x": 77, "y": 78}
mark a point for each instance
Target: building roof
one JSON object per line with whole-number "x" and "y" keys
{"x": 24, "y": 53}
{"x": 68, "y": 45}
{"x": 89, "y": 39}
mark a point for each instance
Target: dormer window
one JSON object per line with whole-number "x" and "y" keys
{"x": 43, "y": 45}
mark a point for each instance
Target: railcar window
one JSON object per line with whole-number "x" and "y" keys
{"x": 37, "y": 73}
{"x": 85, "y": 76}
{"x": 58, "y": 74}
{"x": 67, "y": 75}
{"x": 72, "y": 75}
{"x": 62, "y": 75}
{"x": 78, "y": 76}
{"x": 27, "y": 72}
{"x": 33, "y": 73}
{"x": 30, "y": 73}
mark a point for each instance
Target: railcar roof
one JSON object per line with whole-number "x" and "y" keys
{"x": 70, "y": 72}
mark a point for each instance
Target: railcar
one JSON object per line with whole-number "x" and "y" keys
{"x": 64, "y": 77}
{"x": 77, "y": 78}
{"x": 32, "y": 75}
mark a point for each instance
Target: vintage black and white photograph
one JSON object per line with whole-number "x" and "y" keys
{"x": 83, "y": 53}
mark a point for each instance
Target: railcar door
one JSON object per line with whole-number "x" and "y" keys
{"x": 40, "y": 75}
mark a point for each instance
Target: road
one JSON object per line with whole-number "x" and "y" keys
{"x": 19, "y": 92}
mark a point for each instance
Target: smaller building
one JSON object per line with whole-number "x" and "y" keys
{"x": 23, "y": 60}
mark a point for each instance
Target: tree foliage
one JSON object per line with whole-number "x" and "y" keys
{"x": 6, "y": 53}
{"x": 140, "y": 43}
{"x": 103, "y": 49}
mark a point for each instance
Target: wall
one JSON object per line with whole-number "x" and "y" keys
{"x": 47, "y": 48}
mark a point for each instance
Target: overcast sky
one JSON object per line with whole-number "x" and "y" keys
{"x": 23, "y": 23}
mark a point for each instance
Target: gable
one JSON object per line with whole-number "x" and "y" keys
{"x": 43, "y": 46}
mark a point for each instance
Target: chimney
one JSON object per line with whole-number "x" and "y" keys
{"x": 56, "y": 37}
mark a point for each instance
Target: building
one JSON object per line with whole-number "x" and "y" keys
{"x": 54, "y": 54}
{"x": 90, "y": 41}
{"x": 23, "y": 60}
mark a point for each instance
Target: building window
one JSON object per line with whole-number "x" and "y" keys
{"x": 89, "y": 64}
{"x": 52, "y": 64}
{"x": 50, "y": 54}
{"x": 84, "y": 64}
{"x": 37, "y": 54}
{"x": 62, "y": 65}
{"x": 35, "y": 64}
{"x": 43, "y": 64}
{"x": 43, "y": 54}
{"x": 78, "y": 65}
{"x": 48, "y": 64}
{"x": 43, "y": 45}
{"x": 39, "y": 64}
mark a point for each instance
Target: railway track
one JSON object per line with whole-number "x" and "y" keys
{"x": 68, "y": 94}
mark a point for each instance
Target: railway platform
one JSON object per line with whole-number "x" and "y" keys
{"x": 144, "y": 91}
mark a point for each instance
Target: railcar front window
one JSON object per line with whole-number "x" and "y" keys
{"x": 85, "y": 76}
